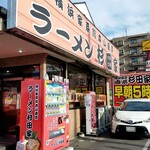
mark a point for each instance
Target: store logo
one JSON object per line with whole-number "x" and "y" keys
{"x": 42, "y": 14}
{"x": 130, "y": 121}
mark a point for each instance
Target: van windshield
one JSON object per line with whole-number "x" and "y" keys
{"x": 135, "y": 106}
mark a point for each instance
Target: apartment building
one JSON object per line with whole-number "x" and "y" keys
{"x": 132, "y": 58}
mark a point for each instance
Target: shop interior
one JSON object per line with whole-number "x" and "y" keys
{"x": 10, "y": 88}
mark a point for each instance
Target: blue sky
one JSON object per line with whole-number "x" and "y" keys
{"x": 115, "y": 18}
{"x": 3, "y": 3}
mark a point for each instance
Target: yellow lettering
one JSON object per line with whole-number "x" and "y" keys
{"x": 137, "y": 91}
{"x": 118, "y": 91}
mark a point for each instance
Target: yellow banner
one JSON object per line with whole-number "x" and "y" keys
{"x": 146, "y": 45}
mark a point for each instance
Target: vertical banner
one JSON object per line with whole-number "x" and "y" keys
{"x": 30, "y": 120}
{"x": 90, "y": 104}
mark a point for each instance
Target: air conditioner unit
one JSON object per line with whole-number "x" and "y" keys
{"x": 3, "y": 18}
{"x": 2, "y": 26}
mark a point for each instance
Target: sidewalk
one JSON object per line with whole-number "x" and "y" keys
{"x": 106, "y": 141}
{"x": 89, "y": 142}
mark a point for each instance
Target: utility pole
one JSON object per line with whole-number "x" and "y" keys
{"x": 125, "y": 30}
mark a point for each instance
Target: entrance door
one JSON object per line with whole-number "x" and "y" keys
{"x": 10, "y": 88}
{"x": 10, "y": 105}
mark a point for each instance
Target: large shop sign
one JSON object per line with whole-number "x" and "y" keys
{"x": 131, "y": 86}
{"x": 59, "y": 20}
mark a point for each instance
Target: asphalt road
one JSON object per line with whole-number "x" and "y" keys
{"x": 107, "y": 142}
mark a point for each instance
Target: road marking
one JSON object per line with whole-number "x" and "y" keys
{"x": 81, "y": 140}
{"x": 92, "y": 141}
{"x": 146, "y": 144}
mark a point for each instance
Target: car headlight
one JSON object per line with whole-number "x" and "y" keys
{"x": 115, "y": 118}
{"x": 147, "y": 121}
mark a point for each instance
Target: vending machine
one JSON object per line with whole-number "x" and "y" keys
{"x": 44, "y": 115}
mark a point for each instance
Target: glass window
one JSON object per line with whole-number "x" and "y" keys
{"x": 143, "y": 37}
{"x": 133, "y": 41}
{"x": 121, "y": 52}
{"x": 120, "y": 43}
{"x": 133, "y": 51}
{"x": 99, "y": 38}
{"x": 121, "y": 61}
{"x": 54, "y": 67}
{"x": 134, "y": 60}
{"x": 100, "y": 84}
{"x": 104, "y": 42}
{"x": 136, "y": 106}
{"x": 78, "y": 79}
{"x": 144, "y": 59}
{"x": 111, "y": 48}
{"x": 108, "y": 46}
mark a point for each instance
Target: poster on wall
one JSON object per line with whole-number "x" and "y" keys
{"x": 80, "y": 85}
{"x": 131, "y": 86}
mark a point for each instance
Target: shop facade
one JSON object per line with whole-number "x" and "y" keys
{"x": 49, "y": 38}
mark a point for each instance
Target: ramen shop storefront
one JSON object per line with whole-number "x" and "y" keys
{"x": 61, "y": 31}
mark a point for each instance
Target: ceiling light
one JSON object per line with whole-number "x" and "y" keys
{"x": 20, "y": 51}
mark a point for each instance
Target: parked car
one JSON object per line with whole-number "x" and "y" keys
{"x": 133, "y": 117}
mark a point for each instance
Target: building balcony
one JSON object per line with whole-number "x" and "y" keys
{"x": 137, "y": 54}
{"x": 138, "y": 44}
{"x": 132, "y": 69}
{"x": 135, "y": 64}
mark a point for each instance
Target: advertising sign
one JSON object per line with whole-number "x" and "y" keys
{"x": 31, "y": 122}
{"x": 52, "y": 21}
{"x": 146, "y": 45}
{"x": 131, "y": 86}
